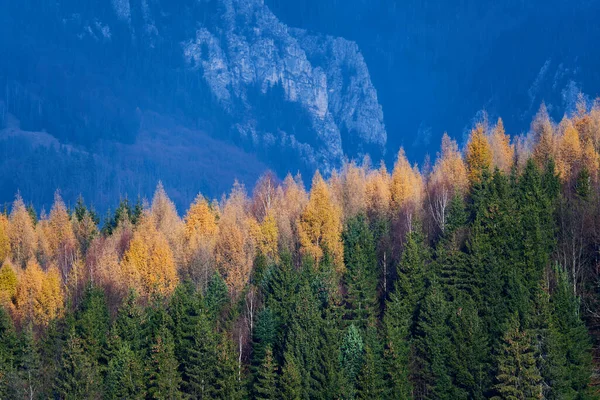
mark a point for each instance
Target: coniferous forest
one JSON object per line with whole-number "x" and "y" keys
{"x": 473, "y": 276}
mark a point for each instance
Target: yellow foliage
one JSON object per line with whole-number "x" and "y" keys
{"x": 569, "y": 149}
{"x": 543, "y": 131}
{"x": 167, "y": 221}
{"x": 378, "y": 193}
{"x": 290, "y": 200}
{"x": 320, "y": 225}
{"x": 503, "y": 152}
{"x": 4, "y": 239}
{"x": 450, "y": 171}
{"x": 61, "y": 238}
{"x": 39, "y": 294}
{"x": 235, "y": 248}
{"x": 354, "y": 190}
{"x": 8, "y": 284}
{"x": 591, "y": 160}
{"x": 148, "y": 264}
{"x": 200, "y": 220}
{"x": 21, "y": 232}
{"x": 406, "y": 186}
{"x": 478, "y": 154}
{"x": 266, "y": 236}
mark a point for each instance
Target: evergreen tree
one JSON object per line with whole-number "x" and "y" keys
{"x": 351, "y": 359}
{"x": 264, "y": 385}
{"x": 518, "y": 375}
{"x": 291, "y": 380}
{"x": 201, "y": 368}
{"x": 79, "y": 376}
{"x": 92, "y": 324}
{"x": 369, "y": 384}
{"x": 361, "y": 271}
{"x": 8, "y": 346}
{"x": 125, "y": 374}
{"x": 161, "y": 371}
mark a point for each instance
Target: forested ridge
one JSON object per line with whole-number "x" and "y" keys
{"x": 474, "y": 276}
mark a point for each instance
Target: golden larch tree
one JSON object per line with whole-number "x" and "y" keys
{"x": 8, "y": 285}
{"x": 544, "y": 137}
{"x": 354, "y": 189}
{"x": 378, "y": 193}
{"x": 290, "y": 200}
{"x": 449, "y": 177}
{"x": 569, "y": 150}
{"x": 320, "y": 225}
{"x": 4, "y": 238}
{"x": 478, "y": 154}
{"x": 167, "y": 221}
{"x": 503, "y": 152}
{"x": 39, "y": 296}
{"x": 235, "y": 248}
{"x": 201, "y": 231}
{"x": 21, "y": 232}
{"x": 148, "y": 265}
{"x": 61, "y": 238}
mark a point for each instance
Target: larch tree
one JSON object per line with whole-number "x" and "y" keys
{"x": 167, "y": 221}
{"x": 290, "y": 200}
{"x": 569, "y": 150}
{"x": 449, "y": 177}
{"x": 235, "y": 248}
{"x": 503, "y": 151}
{"x": 4, "y": 238}
{"x": 22, "y": 235}
{"x": 378, "y": 194}
{"x": 407, "y": 189}
{"x": 8, "y": 285}
{"x": 320, "y": 225}
{"x": 201, "y": 231}
{"x": 39, "y": 297}
{"x": 543, "y": 134}
{"x": 148, "y": 265}
{"x": 478, "y": 154}
{"x": 61, "y": 238}
{"x": 354, "y": 189}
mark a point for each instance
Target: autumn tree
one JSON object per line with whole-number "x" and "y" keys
{"x": 200, "y": 232}
{"x": 503, "y": 152}
{"x": 290, "y": 200}
{"x": 167, "y": 222}
{"x": 60, "y": 236}
{"x": 543, "y": 134}
{"x": 478, "y": 154}
{"x": 4, "y": 237}
{"x": 320, "y": 225}
{"x": 449, "y": 177}
{"x": 148, "y": 265}
{"x": 406, "y": 189}
{"x": 8, "y": 285}
{"x": 22, "y": 235}
{"x": 235, "y": 248}
{"x": 39, "y": 297}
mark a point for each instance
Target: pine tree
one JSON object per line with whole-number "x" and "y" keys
{"x": 518, "y": 375}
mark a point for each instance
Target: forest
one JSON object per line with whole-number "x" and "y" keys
{"x": 472, "y": 276}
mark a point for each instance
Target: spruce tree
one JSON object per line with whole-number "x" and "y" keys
{"x": 291, "y": 380}
{"x": 361, "y": 274}
{"x": 202, "y": 360}
{"x": 264, "y": 385}
{"x": 518, "y": 376}
{"x": 79, "y": 376}
{"x": 351, "y": 359}
{"x": 125, "y": 374}
{"x": 161, "y": 371}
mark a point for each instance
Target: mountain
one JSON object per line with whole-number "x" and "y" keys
{"x": 224, "y": 76}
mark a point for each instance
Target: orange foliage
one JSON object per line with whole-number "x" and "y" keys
{"x": 61, "y": 238}
{"x": 201, "y": 230}
{"x": 290, "y": 200}
{"x": 478, "y": 154}
{"x": 543, "y": 132}
{"x": 320, "y": 225}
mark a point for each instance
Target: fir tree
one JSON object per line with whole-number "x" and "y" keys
{"x": 161, "y": 372}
